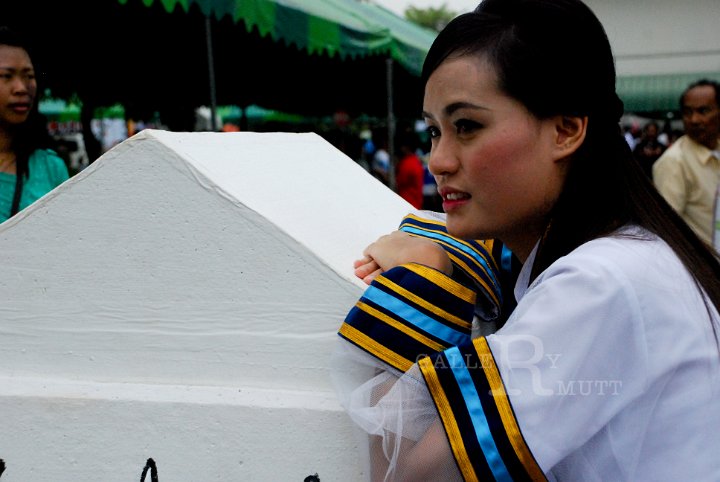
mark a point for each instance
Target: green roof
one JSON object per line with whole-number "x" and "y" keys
{"x": 348, "y": 28}
{"x": 654, "y": 93}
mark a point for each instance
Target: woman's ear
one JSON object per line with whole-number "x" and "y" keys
{"x": 569, "y": 134}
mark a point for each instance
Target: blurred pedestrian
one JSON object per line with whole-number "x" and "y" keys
{"x": 649, "y": 148}
{"x": 431, "y": 198}
{"x": 380, "y": 163}
{"x": 28, "y": 168}
{"x": 367, "y": 150}
{"x": 410, "y": 173}
{"x": 688, "y": 172}
{"x": 630, "y": 132}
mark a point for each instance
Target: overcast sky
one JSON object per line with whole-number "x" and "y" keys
{"x": 399, "y": 6}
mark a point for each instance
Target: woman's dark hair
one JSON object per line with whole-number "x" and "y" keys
{"x": 554, "y": 57}
{"x": 31, "y": 134}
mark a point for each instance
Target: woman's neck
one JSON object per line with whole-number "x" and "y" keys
{"x": 7, "y": 155}
{"x": 5, "y": 140}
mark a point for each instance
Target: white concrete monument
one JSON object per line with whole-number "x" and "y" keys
{"x": 178, "y": 300}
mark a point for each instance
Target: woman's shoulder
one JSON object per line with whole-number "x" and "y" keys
{"x": 627, "y": 260}
{"x": 633, "y": 260}
{"x": 49, "y": 161}
{"x": 46, "y": 156}
{"x": 620, "y": 242}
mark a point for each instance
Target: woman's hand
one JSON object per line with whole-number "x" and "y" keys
{"x": 399, "y": 248}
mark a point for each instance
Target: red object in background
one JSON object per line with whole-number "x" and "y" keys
{"x": 409, "y": 179}
{"x": 341, "y": 118}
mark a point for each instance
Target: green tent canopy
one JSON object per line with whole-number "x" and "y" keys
{"x": 235, "y": 114}
{"x": 311, "y": 57}
{"x": 59, "y": 110}
{"x": 348, "y": 28}
{"x": 343, "y": 28}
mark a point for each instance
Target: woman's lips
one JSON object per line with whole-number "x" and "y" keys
{"x": 19, "y": 108}
{"x": 453, "y": 199}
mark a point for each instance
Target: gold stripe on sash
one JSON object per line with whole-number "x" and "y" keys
{"x": 506, "y": 413}
{"x": 364, "y": 341}
{"x": 443, "y": 282}
{"x": 448, "y": 419}
{"x": 487, "y": 244}
{"x": 436, "y": 222}
{"x": 475, "y": 276}
{"x": 433, "y": 345}
{"x": 421, "y": 302}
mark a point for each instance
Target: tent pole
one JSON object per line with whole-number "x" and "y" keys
{"x": 390, "y": 121}
{"x": 211, "y": 73}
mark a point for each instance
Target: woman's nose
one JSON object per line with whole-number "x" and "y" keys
{"x": 21, "y": 85}
{"x": 442, "y": 159}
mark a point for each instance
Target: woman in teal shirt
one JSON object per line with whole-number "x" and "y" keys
{"x": 28, "y": 168}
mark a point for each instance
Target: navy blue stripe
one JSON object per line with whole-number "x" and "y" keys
{"x": 427, "y": 290}
{"x": 482, "y": 387}
{"x": 422, "y": 226}
{"x": 407, "y": 312}
{"x": 456, "y": 401}
{"x": 478, "y": 419}
{"x": 387, "y": 336}
{"x": 406, "y": 323}
{"x": 463, "y": 250}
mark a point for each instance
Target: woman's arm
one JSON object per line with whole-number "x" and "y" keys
{"x": 400, "y": 248}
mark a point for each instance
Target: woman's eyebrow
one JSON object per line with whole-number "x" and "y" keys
{"x": 450, "y": 109}
{"x": 455, "y": 106}
{"x": 13, "y": 69}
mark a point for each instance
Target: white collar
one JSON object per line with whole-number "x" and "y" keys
{"x": 523, "y": 280}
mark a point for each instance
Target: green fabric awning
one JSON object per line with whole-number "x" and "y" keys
{"x": 657, "y": 93}
{"x": 311, "y": 57}
{"x": 347, "y": 28}
{"x": 234, "y": 113}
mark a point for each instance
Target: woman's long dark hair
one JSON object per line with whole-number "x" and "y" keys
{"x": 554, "y": 57}
{"x": 31, "y": 134}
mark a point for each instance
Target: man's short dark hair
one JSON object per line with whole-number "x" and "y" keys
{"x": 702, "y": 83}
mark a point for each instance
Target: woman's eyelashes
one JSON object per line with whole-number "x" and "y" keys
{"x": 432, "y": 132}
{"x": 466, "y": 126}
{"x": 462, "y": 127}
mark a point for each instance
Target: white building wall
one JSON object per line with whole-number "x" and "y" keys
{"x": 662, "y": 36}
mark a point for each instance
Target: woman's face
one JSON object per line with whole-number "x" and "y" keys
{"x": 18, "y": 86}
{"x": 496, "y": 164}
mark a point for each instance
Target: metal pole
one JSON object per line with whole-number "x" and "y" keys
{"x": 211, "y": 73}
{"x": 390, "y": 122}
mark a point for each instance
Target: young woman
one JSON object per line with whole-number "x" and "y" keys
{"x": 609, "y": 366}
{"x": 28, "y": 169}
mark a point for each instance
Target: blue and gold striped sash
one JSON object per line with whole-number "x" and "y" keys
{"x": 397, "y": 326}
{"x": 472, "y": 257}
{"x": 395, "y": 323}
{"x": 475, "y": 410}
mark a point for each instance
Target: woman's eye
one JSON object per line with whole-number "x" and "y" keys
{"x": 465, "y": 126}
{"x": 433, "y": 132}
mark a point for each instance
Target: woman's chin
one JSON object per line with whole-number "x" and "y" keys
{"x": 462, "y": 230}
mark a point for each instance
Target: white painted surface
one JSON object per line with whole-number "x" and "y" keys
{"x": 662, "y": 36}
{"x": 179, "y": 300}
